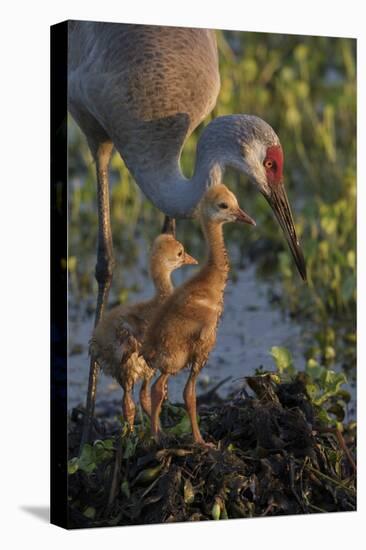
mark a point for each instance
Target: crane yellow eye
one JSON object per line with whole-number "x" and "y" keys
{"x": 268, "y": 163}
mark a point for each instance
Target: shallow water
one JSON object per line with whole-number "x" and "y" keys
{"x": 250, "y": 326}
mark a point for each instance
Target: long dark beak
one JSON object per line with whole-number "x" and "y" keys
{"x": 243, "y": 217}
{"x": 279, "y": 203}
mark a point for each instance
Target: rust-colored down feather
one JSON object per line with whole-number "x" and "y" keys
{"x": 182, "y": 332}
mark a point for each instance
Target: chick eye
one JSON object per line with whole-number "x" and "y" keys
{"x": 268, "y": 163}
{"x": 180, "y": 252}
{"x": 223, "y": 205}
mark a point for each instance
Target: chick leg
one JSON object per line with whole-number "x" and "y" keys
{"x": 145, "y": 397}
{"x": 189, "y": 395}
{"x": 128, "y": 406}
{"x": 158, "y": 392}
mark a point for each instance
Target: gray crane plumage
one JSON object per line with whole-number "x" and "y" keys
{"x": 145, "y": 88}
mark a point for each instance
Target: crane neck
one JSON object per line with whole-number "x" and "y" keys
{"x": 167, "y": 187}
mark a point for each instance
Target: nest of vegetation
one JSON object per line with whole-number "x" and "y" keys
{"x": 271, "y": 458}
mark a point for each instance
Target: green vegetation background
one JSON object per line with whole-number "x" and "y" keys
{"x": 305, "y": 87}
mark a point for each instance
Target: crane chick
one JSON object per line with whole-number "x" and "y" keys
{"x": 116, "y": 341}
{"x": 182, "y": 331}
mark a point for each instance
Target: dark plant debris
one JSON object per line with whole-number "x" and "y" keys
{"x": 271, "y": 458}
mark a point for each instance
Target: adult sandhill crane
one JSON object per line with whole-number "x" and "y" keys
{"x": 143, "y": 90}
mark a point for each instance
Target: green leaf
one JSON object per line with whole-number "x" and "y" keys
{"x": 183, "y": 427}
{"x": 102, "y": 450}
{"x": 312, "y": 390}
{"x": 148, "y": 475}
{"x": 188, "y": 492}
{"x": 329, "y": 353}
{"x": 312, "y": 364}
{"x": 89, "y": 512}
{"x": 216, "y": 511}
{"x": 283, "y": 360}
{"x": 88, "y": 468}
{"x": 331, "y": 383}
{"x": 87, "y": 459}
{"x": 324, "y": 418}
{"x": 73, "y": 465}
{"x": 329, "y": 224}
{"x": 92, "y": 455}
{"x": 313, "y": 369}
{"x": 130, "y": 446}
{"x": 108, "y": 444}
{"x": 351, "y": 259}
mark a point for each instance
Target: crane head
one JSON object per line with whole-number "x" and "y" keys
{"x": 276, "y": 196}
{"x": 261, "y": 157}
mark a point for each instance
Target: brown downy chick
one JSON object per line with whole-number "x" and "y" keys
{"x": 183, "y": 330}
{"x": 116, "y": 341}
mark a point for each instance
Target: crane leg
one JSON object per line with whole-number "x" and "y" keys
{"x": 103, "y": 270}
{"x": 129, "y": 407}
{"x": 169, "y": 226}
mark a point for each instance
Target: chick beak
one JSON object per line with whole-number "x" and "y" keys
{"x": 189, "y": 259}
{"x": 243, "y": 217}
